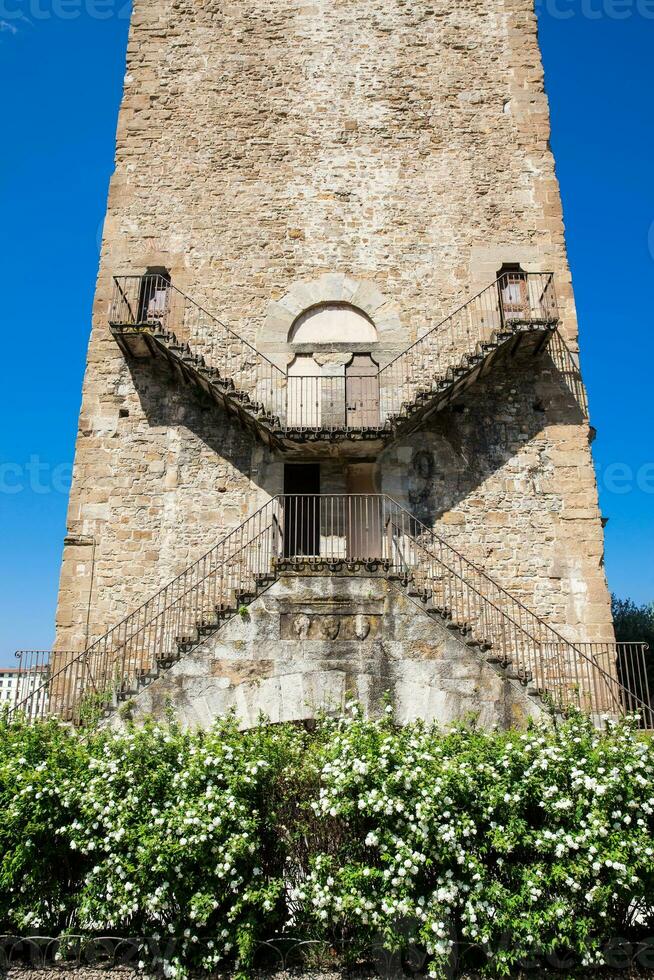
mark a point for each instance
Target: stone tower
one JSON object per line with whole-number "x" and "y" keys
{"x": 333, "y": 263}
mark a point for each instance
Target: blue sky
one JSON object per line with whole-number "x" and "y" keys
{"x": 61, "y": 68}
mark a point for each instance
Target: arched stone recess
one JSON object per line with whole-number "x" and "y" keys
{"x": 318, "y": 301}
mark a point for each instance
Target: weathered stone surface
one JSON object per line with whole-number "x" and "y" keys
{"x": 300, "y": 651}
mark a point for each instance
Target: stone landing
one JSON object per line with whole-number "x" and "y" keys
{"x": 311, "y": 643}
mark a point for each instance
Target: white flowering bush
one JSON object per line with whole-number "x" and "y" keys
{"x": 485, "y": 847}
{"x": 169, "y": 835}
{"x": 42, "y": 778}
{"x": 481, "y": 849}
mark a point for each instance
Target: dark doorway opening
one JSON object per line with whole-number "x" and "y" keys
{"x": 302, "y": 509}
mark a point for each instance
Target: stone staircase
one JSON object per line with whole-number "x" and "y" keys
{"x": 370, "y": 532}
{"x": 444, "y": 616}
{"x": 500, "y": 348}
{"x": 318, "y": 638}
{"x": 151, "y": 319}
{"x": 131, "y": 686}
{"x": 152, "y": 340}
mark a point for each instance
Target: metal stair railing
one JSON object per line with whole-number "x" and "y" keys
{"x": 369, "y": 528}
{"x": 571, "y": 674}
{"x": 152, "y": 302}
{"x": 330, "y": 529}
{"x": 515, "y": 302}
{"x": 157, "y": 631}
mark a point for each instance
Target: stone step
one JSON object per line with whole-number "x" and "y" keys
{"x": 442, "y": 612}
{"x": 127, "y": 693}
{"x": 226, "y": 612}
{"x": 453, "y": 625}
{"x": 166, "y": 660}
{"x": 206, "y": 629}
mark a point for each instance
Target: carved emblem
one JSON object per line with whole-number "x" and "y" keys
{"x": 361, "y": 627}
{"x": 301, "y": 626}
{"x": 329, "y": 627}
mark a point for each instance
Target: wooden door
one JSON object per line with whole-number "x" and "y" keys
{"x": 154, "y": 298}
{"x": 365, "y": 518}
{"x": 304, "y": 393}
{"x": 362, "y": 392}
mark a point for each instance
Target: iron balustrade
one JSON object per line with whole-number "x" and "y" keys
{"x": 151, "y": 302}
{"x": 628, "y": 662}
{"x": 327, "y": 530}
{"x": 514, "y": 303}
{"x": 332, "y": 403}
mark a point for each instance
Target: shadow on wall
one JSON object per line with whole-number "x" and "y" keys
{"x": 429, "y": 472}
{"x": 458, "y": 450}
{"x": 167, "y": 403}
{"x": 566, "y": 364}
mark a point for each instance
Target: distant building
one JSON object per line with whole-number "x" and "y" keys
{"x": 9, "y": 685}
{"x": 17, "y": 684}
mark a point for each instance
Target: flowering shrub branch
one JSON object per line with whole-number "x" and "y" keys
{"x": 480, "y": 848}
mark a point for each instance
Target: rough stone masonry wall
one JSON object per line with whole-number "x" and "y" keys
{"x": 264, "y": 142}
{"x": 509, "y": 493}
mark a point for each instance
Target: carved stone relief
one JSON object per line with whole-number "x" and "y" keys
{"x": 327, "y": 626}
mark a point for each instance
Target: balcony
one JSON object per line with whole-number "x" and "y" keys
{"x": 349, "y": 413}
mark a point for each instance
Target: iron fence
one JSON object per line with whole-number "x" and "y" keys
{"x": 274, "y": 956}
